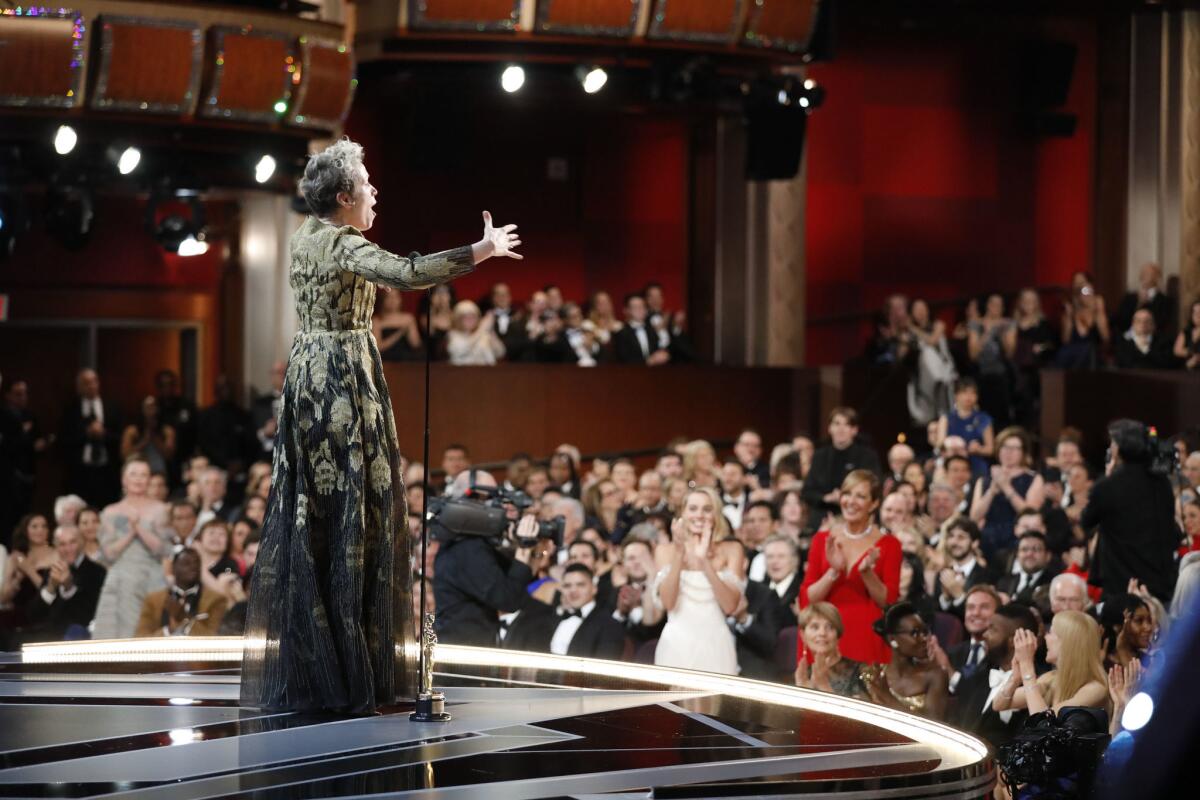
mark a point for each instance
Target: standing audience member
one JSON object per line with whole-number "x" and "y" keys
{"x": 179, "y": 413}
{"x": 638, "y": 342}
{"x": 971, "y": 425}
{"x": 1149, "y": 297}
{"x": 1143, "y": 346}
{"x": 1085, "y": 331}
{"x": 695, "y": 594}
{"x": 636, "y": 608}
{"x": 1010, "y": 488}
{"x": 831, "y": 464}
{"x": 21, "y": 443}
{"x": 132, "y": 536}
{"x": 225, "y": 435}
{"x": 150, "y": 438}
{"x": 991, "y": 345}
{"x": 89, "y": 436}
{"x": 264, "y": 414}
{"x": 31, "y": 554}
{"x": 1187, "y": 343}
{"x": 855, "y": 566}
{"x": 1036, "y": 343}
{"x": 1134, "y": 509}
{"x": 472, "y": 341}
{"x": 395, "y": 330}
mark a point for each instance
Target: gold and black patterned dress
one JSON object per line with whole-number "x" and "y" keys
{"x": 329, "y": 624}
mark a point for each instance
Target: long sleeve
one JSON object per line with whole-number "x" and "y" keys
{"x": 354, "y": 253}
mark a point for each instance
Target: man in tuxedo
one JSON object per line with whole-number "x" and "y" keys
{"x": 734, "y": 492}
{"x": 183, "y": 609}
{"x": 213, "y": 504}
{"x": 70, "y": 590}
{"x": 578, "y": 627}
{"x": 782, "y": 558}
{"x": 758, "y": 525}
{"x": 972, "y": 707}
{"x": 964, "y": 658}
{"x": 1035, "y": 570}
{"x": 264, "y": 413}
{"x": 581, "y": 551}
{"x": 636, "y": 610}
{"x": 963, "y": 571}
{"x": 21, "y": 443}
{"x": 90, "y": 436}
{"x": 831, "y": 463}
{"x": 638, "y": 342}
{"x": 748, "y": 450}
{"x": 1150, "y": 297}
{"x": 180, "y": 413}
{"x": 756, "y": 622}
{"x": 943, "y": 505}
{"x": 509, "y": 322}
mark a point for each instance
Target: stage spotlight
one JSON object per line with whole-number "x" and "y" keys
{"x": 65, "y": 139}
{"x": 804, "y": 102}
{"x": 264, "y": 169}
{"x": 175, "y": 232}
{"x": 512, "y": 79}
{"x": 593, "y": 79}
{"x": 129, "y": 160}
{"x": 69, "y": 215}
{"x": 810, "y": 84}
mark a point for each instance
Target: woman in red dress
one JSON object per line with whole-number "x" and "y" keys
{"x": 856, "y": 566}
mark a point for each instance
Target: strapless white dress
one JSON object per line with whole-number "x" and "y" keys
{"x": 696, "y": 635}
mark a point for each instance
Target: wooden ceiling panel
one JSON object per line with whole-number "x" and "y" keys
{"x": 41, "y": 60}
{"x": 148, "y": 65}
{"x": 696, "y": 20}
{"x": 588, "y": 17}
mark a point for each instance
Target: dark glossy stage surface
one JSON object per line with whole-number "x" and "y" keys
{"x": 132, "y": 727}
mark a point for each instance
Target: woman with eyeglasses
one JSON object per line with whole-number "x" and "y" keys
{"x": 912, "y": 681}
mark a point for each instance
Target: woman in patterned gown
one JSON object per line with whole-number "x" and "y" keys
{"x": 329, "y": 624}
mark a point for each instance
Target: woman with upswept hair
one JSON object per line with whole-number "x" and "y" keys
{"x": 329, "y": 625}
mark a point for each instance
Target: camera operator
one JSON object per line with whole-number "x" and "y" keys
{"x": 1133, "y": 507}
{"x": 475, "y": 580}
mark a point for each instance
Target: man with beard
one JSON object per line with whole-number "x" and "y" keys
{"x": 963, "y": 571}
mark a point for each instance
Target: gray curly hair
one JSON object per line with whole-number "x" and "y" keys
{"x": 333, "y": 170}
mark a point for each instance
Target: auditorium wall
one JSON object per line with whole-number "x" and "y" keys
{"x": 923, "y": 180}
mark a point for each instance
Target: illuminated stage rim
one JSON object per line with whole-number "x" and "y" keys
{"x": 957, "y": 749}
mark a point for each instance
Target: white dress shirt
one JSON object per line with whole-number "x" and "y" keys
{"x": 567, "y": 628}
{"x": 93, "y": 453}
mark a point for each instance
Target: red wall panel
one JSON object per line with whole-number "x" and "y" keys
{"x": 922, "y": 180}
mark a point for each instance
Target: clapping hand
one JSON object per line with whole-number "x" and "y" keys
{"x": 1122, "y": 681}
{"x": 1024, "y": 647}
{"x": 938, "y": 656}
{"x": 952, "y": 583}
{"x": 834, "y": 553}
{"x": 502, "y": 239}
{"x": 868, "y": 561}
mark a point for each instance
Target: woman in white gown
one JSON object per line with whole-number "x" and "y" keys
{"x": 697, "y": 597}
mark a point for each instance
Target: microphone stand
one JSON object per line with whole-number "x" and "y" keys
{"x": 431, "y": 705}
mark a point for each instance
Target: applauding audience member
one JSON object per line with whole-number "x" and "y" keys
{"x": 819, "y": 662}
{"x": 185, "y": 608}
{"x": 66, "y": 602}
{"x": 1073, "y": 648}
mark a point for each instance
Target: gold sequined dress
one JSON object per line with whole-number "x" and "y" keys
{"x": 329, "y": 624}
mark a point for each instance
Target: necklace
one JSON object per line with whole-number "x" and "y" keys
{"x": 849, "y": 535}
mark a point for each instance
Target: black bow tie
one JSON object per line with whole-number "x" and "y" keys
{"x": 567, "y": 612}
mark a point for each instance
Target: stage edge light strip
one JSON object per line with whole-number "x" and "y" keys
{"x": 957, "y": 747}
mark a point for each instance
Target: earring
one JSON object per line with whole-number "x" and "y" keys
{"x": 895, "y": 643}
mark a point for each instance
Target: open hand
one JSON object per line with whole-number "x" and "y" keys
{"x": 834, "y": 554}
{"x": 1024, "y": 646}
{"x": 868, "y": 561}
{"x": 502, "y": 239}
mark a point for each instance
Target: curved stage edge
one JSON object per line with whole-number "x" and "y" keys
{"x": 159, "y": 718}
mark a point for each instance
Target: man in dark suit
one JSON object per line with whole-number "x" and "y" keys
{"x": 757, "y": 621}
{"x": 969, "y": 655}
{"x": 748, "y": 450}
{"x": 70, "y": 590}
{"x": 579, "y": 627}
{"x": 635, "y": 607}
{"x": 963, "y": 572}
{"x": 783, "y": 577}
{"x": 1144, "y": 345}
{"x": 639, "y": 342}
{"x": 973, "y": 696}
{"x": 832, "y": 462}
{"x": 264, "y": 414}
{"x": 90, "y": 436}
{"x": 1033, "y": 559}
{"x": 473, "y": 583}
{"x": 1150, "y": 296}
{"x": 509, "y": 322}
{"x": 21, "y": 443}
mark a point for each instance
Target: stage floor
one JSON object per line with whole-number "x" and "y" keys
{"x": 133, "y": 726}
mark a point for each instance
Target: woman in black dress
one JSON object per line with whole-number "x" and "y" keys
{"x": 329, "y": 624}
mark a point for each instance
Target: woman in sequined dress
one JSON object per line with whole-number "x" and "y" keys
{"x": 329, "y": 625}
